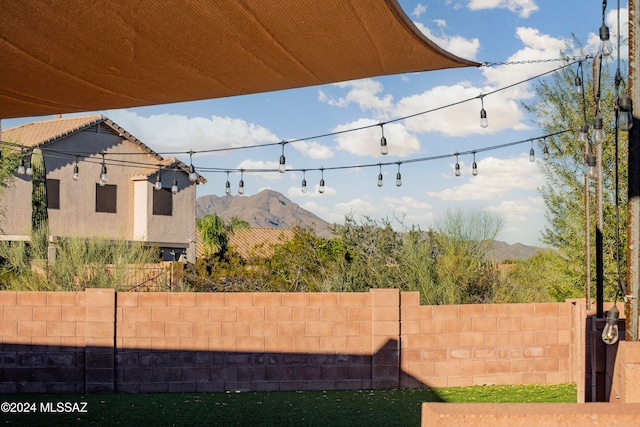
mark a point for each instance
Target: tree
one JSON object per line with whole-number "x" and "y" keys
{"x": 463, "y": 239}
{"x": 215, "y": 233}
{"x": 560, "y": 107}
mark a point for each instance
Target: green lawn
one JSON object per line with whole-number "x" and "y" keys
{"x": 307, "y": 408}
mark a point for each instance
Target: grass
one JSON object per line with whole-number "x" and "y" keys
{"x": 303, "y": 408}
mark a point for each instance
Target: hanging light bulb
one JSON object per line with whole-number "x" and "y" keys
{"x": 583, "y": 136}
{"x": 76, "y": 171}
{"x": 29, "y": 169}
{"x": 590, "y": 166}
{"x": 174, "y": 187}
{"x": 193, "y": 176}
{"x": 598, "y": 133}
{"x": 398, "y": 177}
{"x": 227, "y": 185}
{"x": 483, "y": 114}
{"x": 578, "y": 80}
{"x": 474, "y": 166}
{"x": 532, "y": 154}
{"x": 457, "y": 166}
{"x": 104, "y": 178}
{"x": 158, "y": 184}
{"x": 604, "y": 37}
{"x": 21, "y": 167}
{"x": 241, "y": 183}
{"x": 625, "y": 118}
{"x": 384, "y": 148}
{"x": 545, "y": 152}
{"x": 304, "y": 182}
{"x": 282, "y": 167}
{"x": 610, "y": 331}
{"x": 380, "y": 176}
{"x": 321, "y": 187}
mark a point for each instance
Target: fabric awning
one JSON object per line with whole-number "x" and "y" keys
{"x": 63, "y": 56}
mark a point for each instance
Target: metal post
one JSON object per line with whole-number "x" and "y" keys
{"x": 633, "y": 218}
{"x": 599, "y": 238}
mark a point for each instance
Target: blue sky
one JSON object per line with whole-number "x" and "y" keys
{"x": 482, "y": 30}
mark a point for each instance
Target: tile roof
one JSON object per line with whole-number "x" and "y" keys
{"x": 251, "y": 242}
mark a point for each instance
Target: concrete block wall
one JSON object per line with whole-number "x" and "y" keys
{"x": 103, "y": 341}
{"x": 463, "y": 345}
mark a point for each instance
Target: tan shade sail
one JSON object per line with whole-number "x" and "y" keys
{"x": 62, "y": 56}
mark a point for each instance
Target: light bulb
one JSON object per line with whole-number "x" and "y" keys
{"x": 76, "y": 173}
{"x": 474, "y": 169}
{"x": 583, "y": 136}
{"x": 193, "y": 177}
{"x": 21, "y": 167}
{"x": 282, "y": 167}
{"x": 532, "y": 155}
{"x": 304, "y": 186}
{"x": 380, "y": 180}
{"x": 29, "y": 170}
{"x": 545, "y": 152}
{"x": 457, "y": 169}
{"x": 158, "y": 184}
{"x": 598, "y": 133}
{"x": 610, "y": 332}
{"x": 578, "y": 82}
{"x": 604, "y": 36}
{"x": 384, "y": 148}
{"x": 625, "y": 118}
{"x": 174, "y": 187}
{"x": 590, "y": 166}
{"x": 241, "y": 187}
{"x": 398, "y": 180}
{"x": 321, "y": 187}
{"x": 227, "y": 187}
{"x": 483, "y": 118}
{"x": 104, "y": 178}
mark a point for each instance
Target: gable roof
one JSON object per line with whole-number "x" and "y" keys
{"x": 44, "y": 132}
{"x": 64, "y": 56}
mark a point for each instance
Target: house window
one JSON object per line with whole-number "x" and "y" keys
{"x": 106, "y": 196}
{"x": 53, "y": 193}
{"x": 163, "y": 202}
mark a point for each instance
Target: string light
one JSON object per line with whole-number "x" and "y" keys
{"x": 29, "y": 170}
{"x": 532, "y": 154}
{"x": 158, "y": 184}
{"x": 384, "y": 148}
{"x": 398, "y": 177}
{"x": 103, "y": 173}
{"x": 590, "y": 166}
{"x": 304, "y": 181}
{"x": 483, "y": 114}
{"x": 545, "y": 149}
{"x": 241, "y": 183}
{"x": 583, "y": 137}
{"x": 21, "y": 167}
{"x": 321, "y": 186}
{"x": 174, "y": 187}
{"x": 625, "y": 118}
{"x": 282, "y": 167}
{"x": 457, "y": 166}
{"x": 76, "y": 171}
{"x": 380, "y": 176}
{"x": 474, "y": 166}
{"x": 193, "y": 177}
{"x": 227, "y": 185}
{"x": 578, "y": 79}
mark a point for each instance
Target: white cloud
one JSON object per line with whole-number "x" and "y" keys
{"x": 361, "y": 92}
{"x": 312, "y": 192}
{"x": 440, "y": 22}
{"x": 518, "y": 211}
{"x": 313, "y": 150}
{"x": 166, "y": 132}
{"x": 419, "y": 10}
{"x": 496, "y": 178}
{"x": 358, "y": 208}
{"x": 524, "y": 8}
{"x": 366, "y": 142}
{"x": 458, "y": 45}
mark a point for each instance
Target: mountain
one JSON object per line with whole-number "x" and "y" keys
{"x": 270, "y": 209}
{"x": 267, "y": 209}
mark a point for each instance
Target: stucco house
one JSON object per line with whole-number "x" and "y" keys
{"x": 82, "y": 203}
